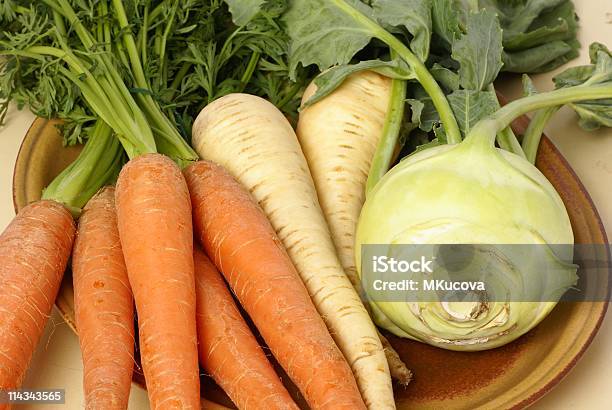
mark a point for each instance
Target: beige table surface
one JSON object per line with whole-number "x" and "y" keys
{"x": 57, "y": 363}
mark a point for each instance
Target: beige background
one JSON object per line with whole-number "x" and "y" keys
{"x": 57, "y": 362}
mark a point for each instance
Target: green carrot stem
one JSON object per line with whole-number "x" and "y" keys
{"x": 100, "y": 159}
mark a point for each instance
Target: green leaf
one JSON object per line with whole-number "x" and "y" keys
{"x": 331, "y": 79}
{"x": 558, "y": 23}
{"x": 323, "y": 34}
{"x": 479, "y": 51}
{"x": 471, "y": 106}
{"x": 424, "y": 113}
{"x": 599, "y": 71}
{"x": 528, "y": 87}
{"x": 414, "y": 15}
{"x": 446, "y": 20}
{"x": 243, "y": 11}
{"x": 534, "y": 60}
{"x": 574, "y": 46}
{"x": 518, "y": 15}
{"x": 573, "y": 76}
{"x": 416, "y": 110}
{"x": 593, "y": 114}
{"x": 538, "y": 35}
{"x": 7, "y": 10}
{"x": 448, "y": 79}
{"x": 602, "y": 59}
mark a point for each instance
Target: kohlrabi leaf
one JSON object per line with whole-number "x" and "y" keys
{"x": 416, "y": 109}
{"x": 448, "y": 79}
{"x": 243, "y": 11}
{"x": 518, "y": 15}
{"x": 428, "y": 116}
{"x": 536, "y": 59}
{"x": 331, "y": 32}
{"x": 446, "y": 19}
{"x": 558, "y": 23}
{"x": 529, "y": 87}
{"x": 329, "y": 80}
{"x": 596, "y": 113}
{"x": 538, "y": 35}
{"x": 574, "y": 76}
{"x": 601, "y": 58}
{"x": 574, "y": 46}
{"x": 599, "y": 71}
{"x": 323, "y": 34}
{"x": 479, "y": 50}
{"x": 414, "y": 15}
{"x": 471, "y": 106}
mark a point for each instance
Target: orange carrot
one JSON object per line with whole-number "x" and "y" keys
{"x": 244, "y": 246}
{"x": 34, "y": 251}
{"x": 228, "y": 350}
{"x": 209, "y": 405}
{"x": 154, "y": 220}
{"x": 104, "y": 306}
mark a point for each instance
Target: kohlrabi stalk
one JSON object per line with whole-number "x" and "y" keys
{"x": 506, "y": 138}
{"x": 383, "y": 157}
{"x": 533, "y": 134}
{"x": 503, "y": 117}
{"x": 421, "y": 72}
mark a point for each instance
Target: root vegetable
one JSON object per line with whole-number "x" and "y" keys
{"x": 228, "y": 350}
{"x": 255, "y": 142}
{"x": 34, "y": 251}
{"x": 339, "y": 135}
{"x": 103, "y": 305}
{"x": 243, "y": 245}
{"x": 154, "y": 220}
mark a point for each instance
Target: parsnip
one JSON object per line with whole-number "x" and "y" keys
{"x": 252, "y": 139}
{"x": 339, "y": 135}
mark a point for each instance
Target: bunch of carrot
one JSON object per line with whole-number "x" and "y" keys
{"x": 135, "y": 245}
{"x": 137, "y": 240}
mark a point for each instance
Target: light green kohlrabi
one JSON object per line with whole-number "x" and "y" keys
{"x": 474, "y": 193}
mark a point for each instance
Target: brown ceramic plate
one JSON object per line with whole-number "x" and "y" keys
{"x": 512, "y": 376}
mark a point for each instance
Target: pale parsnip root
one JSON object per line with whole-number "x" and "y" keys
{"x": 252, "y": 139}
{"x": 339, "y": 135}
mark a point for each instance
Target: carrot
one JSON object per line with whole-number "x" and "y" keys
{"x": 209, "y": 405}
{"x": 154, "y": 220}
{"x": 244, "y": 246}
{"x": 254, "y": 141}
{"x": 228, "y": 350}
{"x": 104, "y": 306}
{"x": 34, "y": 252}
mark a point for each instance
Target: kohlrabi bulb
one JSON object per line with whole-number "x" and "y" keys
{"x": 471, "y": 193}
